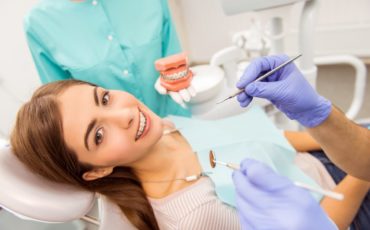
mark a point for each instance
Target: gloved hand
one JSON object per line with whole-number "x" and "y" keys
{"x": 287, "y": 89}
{"x": 266, "y": 200}
{"x": 180, "y": 97}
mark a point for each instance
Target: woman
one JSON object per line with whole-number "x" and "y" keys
{"x": 109, "y": 142}
{"x": 112, "y": 43}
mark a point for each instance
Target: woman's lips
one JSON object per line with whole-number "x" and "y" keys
{"x": 146, "y": 125}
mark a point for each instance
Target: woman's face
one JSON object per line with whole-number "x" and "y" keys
{"x": 107, "y": 128}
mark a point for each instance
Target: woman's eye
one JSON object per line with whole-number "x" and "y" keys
{"x": 99, "y": 136}
{"x": 105, "y": 98}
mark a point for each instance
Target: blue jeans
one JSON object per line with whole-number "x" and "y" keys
{"x": 362, "y": 219}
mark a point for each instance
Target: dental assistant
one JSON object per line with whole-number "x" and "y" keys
{"x": 348, "y": 145}
{"x": 110, "y": 43}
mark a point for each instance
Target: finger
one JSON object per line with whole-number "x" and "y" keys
{"x": 160, "y": 89}
{"x": 241, "y": 97}
{"x": 245, "y": 188}
{"x": 177, "y": 98}
{"x": 192, "y": 91}
{"x": 263, "y": 176}
{"x": 246, "y": 102}
{"x": 267, "y": 90}
{"x": 246, "y": 163}
{"x": 258, "y": 67}
{"x": 246, "y": 213}
{"x": 185, "y": 95}
{"x": 253, "y": 71}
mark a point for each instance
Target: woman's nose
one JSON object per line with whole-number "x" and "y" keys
{"x": 122, "y": 117}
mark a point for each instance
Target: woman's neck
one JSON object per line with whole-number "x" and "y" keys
{"x": 170, "y": 159}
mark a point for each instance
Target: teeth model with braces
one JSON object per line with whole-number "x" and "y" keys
{"x": 174, "y": 71}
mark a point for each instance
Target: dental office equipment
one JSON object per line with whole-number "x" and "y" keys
{"x": 213, "y": 162}
{"x": 263, "y": 76}
{"x": 331, "y": 194}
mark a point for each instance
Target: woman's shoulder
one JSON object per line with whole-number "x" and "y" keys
{"x": 195, "y": 207}
{"x": 204, "y": 188}
{"x": 190, "y": 198}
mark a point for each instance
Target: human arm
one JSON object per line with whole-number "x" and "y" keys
{"x": 47, "y": 69}
{"x": 353, "y": 189}
{"x": 345, "y": 143}
{"x": 301, "y": 141}
{"x": 343, "y": 212}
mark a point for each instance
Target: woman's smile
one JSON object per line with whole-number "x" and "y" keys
{"x": 143, "y": 126}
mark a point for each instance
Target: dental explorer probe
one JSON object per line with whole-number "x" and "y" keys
{"x": 263, "y": 76}
{"x": 331, "y": 194}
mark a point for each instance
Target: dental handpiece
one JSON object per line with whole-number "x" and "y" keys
{"x": 328, "y": 193}
{"x": 262, "y": 77}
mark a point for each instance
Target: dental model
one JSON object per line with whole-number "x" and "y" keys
{"x": 175, "y": 72}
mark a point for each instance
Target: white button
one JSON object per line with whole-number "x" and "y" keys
{"x": 110, "y": 37}
{"x": 95, "y": 2}
{"x": 125, "y": 72}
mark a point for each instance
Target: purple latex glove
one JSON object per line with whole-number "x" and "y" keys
{"x": 266, "y": 200}
{"x": 287, "y": 89}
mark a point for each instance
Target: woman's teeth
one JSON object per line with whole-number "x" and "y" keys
{"x": 175, "y": 76}
{"x": 141, "y": 125}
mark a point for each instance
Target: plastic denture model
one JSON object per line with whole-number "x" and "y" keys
{"x": 175, "y": 72}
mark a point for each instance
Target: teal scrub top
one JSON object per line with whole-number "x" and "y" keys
{"x": 111, "y": 43}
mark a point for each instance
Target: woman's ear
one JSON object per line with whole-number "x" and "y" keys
{"x": 97, "y": 173}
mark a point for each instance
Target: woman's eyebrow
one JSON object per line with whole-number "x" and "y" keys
{"x": 88, "y": 131}
{"x": 93, "y": 122}
{"x": 96, "y": 98}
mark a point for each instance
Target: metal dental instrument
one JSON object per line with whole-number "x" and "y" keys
{"x": 229, "y": 165}
{"x": 331, "y": 194}
{"x": 263, "y": 77}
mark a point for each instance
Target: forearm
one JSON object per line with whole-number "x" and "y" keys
{"x": 345, "y": 143}
{"x": 301, "y": 141}
{"x": 343, "y": 212}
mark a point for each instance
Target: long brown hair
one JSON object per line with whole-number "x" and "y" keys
{"x": 37, "y": 140}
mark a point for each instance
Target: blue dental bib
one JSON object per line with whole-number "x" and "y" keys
{"x": 248, "y": 135}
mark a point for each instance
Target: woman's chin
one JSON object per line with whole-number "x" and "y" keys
{"x": 157, "y": 127}
{"x": 167, "y": 124}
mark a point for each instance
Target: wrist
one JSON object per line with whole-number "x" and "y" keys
{"x": 314, "y": 116}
